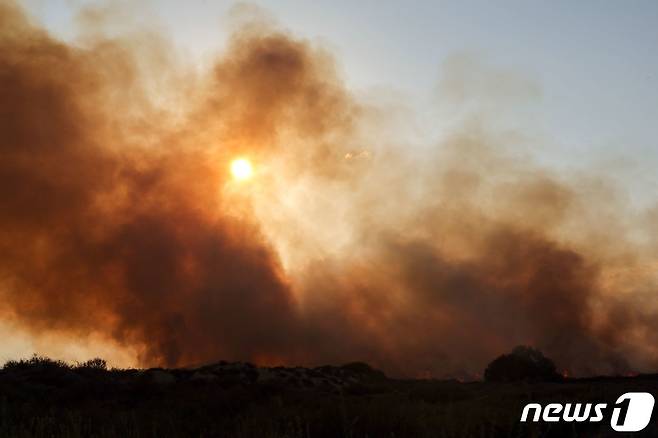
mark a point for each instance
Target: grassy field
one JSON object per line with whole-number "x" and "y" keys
{"x": 44, "y": 398}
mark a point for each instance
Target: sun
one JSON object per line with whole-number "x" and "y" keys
{"x": 241, "y": 169}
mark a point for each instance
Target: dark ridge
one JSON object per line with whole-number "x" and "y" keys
{"x": 40, "y": 397}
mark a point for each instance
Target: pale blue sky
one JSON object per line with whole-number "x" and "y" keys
{"x": 595, "y": 62}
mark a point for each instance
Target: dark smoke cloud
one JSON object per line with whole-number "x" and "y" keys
{"x": 102, "y": 235}
{"x": 115, "y": 219}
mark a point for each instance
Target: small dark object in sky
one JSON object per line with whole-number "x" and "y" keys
{"x": 522, "y": 364}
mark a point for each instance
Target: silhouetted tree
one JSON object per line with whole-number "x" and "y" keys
{"x": 522, "y": 364}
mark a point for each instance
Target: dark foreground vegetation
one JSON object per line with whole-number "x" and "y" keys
{"x": 45, "y": 398}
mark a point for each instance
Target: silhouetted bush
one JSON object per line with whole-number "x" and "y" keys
{"x": 35, "y": 362}
{"x": 522, "y": 364}
{"x": 94, "y": 364}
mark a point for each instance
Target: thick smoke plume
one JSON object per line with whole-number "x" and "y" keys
{"x": 119, "y": 218}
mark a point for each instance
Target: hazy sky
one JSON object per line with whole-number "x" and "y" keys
{"x": 595, "y": 63}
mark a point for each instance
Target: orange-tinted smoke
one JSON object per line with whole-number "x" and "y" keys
{"x": 114, "y": 219}
{"x": 105, "y": 231}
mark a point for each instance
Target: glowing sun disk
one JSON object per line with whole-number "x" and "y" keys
{"x": 241, "y": 169}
